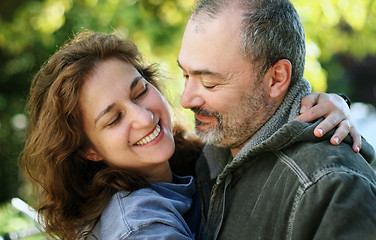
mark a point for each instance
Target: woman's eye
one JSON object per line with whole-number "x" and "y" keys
{"x": 143, "y": 92}
{"x": 117, "y": 119}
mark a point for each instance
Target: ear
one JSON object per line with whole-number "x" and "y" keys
{"x": 92, "y": 155}
{"x": 279, "y": 77}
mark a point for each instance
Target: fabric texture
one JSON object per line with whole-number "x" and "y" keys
{"x": 161, "y": 212}
{"x": 287, "y": 184}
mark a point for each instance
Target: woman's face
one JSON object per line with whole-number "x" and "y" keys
{"x": 125, "y": 118}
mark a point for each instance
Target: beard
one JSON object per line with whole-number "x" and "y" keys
{"x": 213, "y": 135}
{"x": 237, "y": 126}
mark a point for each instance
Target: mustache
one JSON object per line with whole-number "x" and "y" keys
{"x": 205, "y": 112}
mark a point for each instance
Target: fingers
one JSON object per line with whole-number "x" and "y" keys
{"x": 321, "y": 110}
{"x": 336, "y": 114}
{"x": 357, "y": 138}
{"x": 309, "y": 101}
{"x": 342, "y": 131}
{"x": 344, "y": 128}
{"x": 330, "y": 122}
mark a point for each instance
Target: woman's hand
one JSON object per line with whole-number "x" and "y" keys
{"x": 336, "y": 113}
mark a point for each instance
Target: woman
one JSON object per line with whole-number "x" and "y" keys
{"x": 101, "y": 148}
{"x": 99, "y": 131}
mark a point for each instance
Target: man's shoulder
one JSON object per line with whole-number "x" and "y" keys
{"x": 316, "y": 159}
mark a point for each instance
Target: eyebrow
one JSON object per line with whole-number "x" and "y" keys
{"x": 204, "y": 72}
{"x": 111, "y": 106}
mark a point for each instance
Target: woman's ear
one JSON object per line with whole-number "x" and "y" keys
{"x": 92, "y": 155}
{"x": 279, "y": 78}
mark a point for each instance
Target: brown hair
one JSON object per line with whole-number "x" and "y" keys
{"x": 74, "y": 191}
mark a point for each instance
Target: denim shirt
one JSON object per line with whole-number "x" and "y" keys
{"x": 166, "y": 211}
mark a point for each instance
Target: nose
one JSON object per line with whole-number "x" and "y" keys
{"x": 191, "y": 97}
{"x": 141, "y": 117}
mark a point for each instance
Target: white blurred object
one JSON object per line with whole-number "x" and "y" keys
{"x": 24, "y": 208}
{"x": 29, "y": 212}
{"x": 364, "y": 117}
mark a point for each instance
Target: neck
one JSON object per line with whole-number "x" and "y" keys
{"x": 160, "y": 173}
{"x": 269, "y": 109}
{"x": 234, "y": 151}
{"x": 286, "y": 111}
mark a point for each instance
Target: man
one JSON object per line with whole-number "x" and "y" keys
{"x": 262, "y": 175}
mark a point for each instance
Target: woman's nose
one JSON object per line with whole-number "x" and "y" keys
{"x": 141, "y": 117}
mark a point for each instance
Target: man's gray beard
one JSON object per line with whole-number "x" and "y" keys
{"x": 212, "y": 136}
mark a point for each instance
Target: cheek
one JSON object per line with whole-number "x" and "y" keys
{"x": 222, "y": 101}
{"x": 114, "y": 140}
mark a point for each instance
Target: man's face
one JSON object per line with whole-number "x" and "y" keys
{"x": 228, "y": 97}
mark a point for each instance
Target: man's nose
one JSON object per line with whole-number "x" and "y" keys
{"x": 191, "y": 96}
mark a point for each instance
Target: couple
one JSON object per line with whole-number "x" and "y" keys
{"x": 108, "y": 161}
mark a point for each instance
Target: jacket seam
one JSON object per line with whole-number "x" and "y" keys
{"x": 308, "y": 182}
{"x": 305, "y": 183}
{"x": 292, "y": 165}
{"x": 292, "y": 215}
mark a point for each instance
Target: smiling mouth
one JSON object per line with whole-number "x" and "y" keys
{"x": 150, "y": 137}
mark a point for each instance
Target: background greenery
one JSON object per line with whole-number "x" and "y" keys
{"x": 341, "y": 55}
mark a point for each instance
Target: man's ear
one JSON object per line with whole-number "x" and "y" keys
{"x": 92, "y": 155}
{"x": 279, "y": 76}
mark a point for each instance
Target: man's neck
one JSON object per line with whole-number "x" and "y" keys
{"x": 284, "y": 110}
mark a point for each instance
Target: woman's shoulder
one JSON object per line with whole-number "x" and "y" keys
{"x": 130, "y": 213}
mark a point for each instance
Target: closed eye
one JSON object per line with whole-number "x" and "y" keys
{"x": 117, "y": 119}
{"x": 144, "y": 91}
{"x": 209, "y": 87}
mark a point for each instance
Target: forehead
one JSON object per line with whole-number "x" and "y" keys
{"x": 109, "y": 80}
{"x": 210, "y": 42}
{"x": 111, "y": 71}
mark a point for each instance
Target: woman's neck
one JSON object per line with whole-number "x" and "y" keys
{"x": 162, "y": 173}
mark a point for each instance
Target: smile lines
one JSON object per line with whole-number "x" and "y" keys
{"x": 151, "y": 137}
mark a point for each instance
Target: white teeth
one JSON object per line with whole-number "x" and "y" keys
{"x": 151, "y": 137}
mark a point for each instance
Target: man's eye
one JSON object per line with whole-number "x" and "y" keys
{"x": 209, "y": 87}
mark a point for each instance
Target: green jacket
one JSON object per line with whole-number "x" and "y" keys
{"x": 288, "y": 184}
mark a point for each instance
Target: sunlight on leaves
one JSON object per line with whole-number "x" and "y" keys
{"x": 315, "y": 74}
{"x": 171, "y": 14}
{"x": 51, "y": 17}
{"x": 355, "y": 14}
{"x": 91, "y": 3}
{"x": 331, "y": 15}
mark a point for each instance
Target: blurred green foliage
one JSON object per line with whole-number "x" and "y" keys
{"x": 340, "y": 36}
{"x": 333, "y": 28}
{"x": 12, "y": 222}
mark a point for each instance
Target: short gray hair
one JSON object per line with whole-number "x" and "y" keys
{"x": 271, "y": 30}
